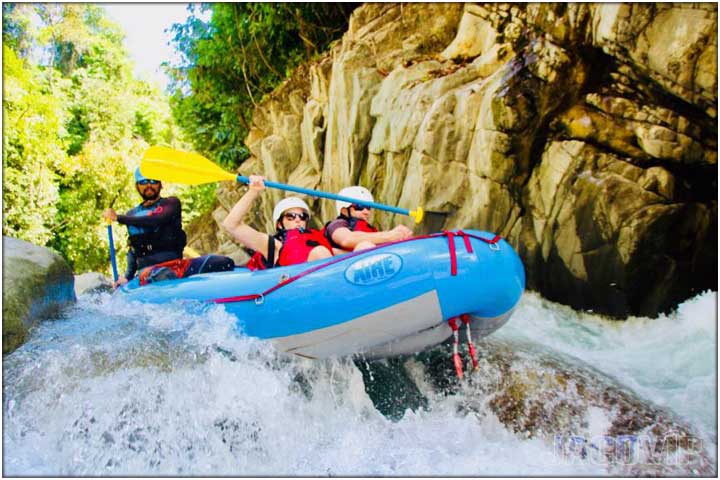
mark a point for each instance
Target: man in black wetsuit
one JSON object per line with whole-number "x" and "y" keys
{"x": 154, "y": 226}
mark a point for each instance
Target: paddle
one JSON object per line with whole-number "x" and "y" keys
{"x": 113, "y": 262}
{"x": 112, "y": 251}
{"x": 170, "y": 165}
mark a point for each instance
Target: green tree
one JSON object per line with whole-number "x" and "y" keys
{"x": 76, "y": 124}
{"x": 241, "y": 54}
{"x": 32, "y": 150}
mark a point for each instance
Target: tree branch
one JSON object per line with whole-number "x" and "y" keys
{"x": 263, "y": 56}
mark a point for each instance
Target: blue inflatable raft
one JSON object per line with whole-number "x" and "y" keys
{"x": 391, "y": 300}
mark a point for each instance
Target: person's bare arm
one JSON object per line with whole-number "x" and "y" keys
{"x": 234, "y": 222}
{"x": 348, "y": 239}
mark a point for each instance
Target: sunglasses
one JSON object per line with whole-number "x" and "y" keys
{"x": 292, "y": 216}
{"x": 148, "y": 182}
{"x": 360, "y": 208}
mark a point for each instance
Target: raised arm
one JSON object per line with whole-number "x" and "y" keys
{"x": 234, "y": 222}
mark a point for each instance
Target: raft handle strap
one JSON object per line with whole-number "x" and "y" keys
{"x": 466, "y": 239}
{"x": 453, "y": 256}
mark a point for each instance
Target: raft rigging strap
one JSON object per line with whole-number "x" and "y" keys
{"x": 260, "y": 297}
{"x": 456, "y": 342}
{"x": 457, "y": 361}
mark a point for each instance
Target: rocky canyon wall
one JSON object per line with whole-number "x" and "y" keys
{"x": 585, "y": 134}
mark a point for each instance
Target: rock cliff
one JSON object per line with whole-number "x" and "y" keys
{"x": 586, "y": 134}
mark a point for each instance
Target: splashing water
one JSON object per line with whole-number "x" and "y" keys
{"x": 118, "y": 389}
{"x": 670, "y": 360}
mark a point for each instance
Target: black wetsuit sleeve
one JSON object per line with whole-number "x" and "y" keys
{"x": 170, "y": 210}
{"x": 131, "y": 265}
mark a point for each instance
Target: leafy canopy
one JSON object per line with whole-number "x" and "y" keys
{"x": 76, "y": 123}
{"x": 241, "y": 54}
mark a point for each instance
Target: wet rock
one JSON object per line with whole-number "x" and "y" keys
{"x": 92, "y": 282}
{"x": 390, "y": 388}
{"x": 582, "y": 413}
{"x": 37, "y": 283}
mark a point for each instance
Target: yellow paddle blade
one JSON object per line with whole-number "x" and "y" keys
{"x": 418, "y": 214}
{"x": 170, "y": 165}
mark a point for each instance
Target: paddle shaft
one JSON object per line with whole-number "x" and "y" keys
{"x": 172, "y": 165}
{"x": 332, "y": 196}
{"x": 112, "y": 252}
{"x": 113, "y": 262}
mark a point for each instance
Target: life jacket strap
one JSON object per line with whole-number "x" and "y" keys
{"x": 270, "y": 260}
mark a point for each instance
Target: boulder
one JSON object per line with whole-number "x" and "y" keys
{"x": 37, "y": 283}
{"x": 542, "y": 394}
{"x": 92, "y": 282}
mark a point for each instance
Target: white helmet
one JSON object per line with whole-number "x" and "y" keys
{"x": 361, "y": 193}
{"x": 288, "y": 203}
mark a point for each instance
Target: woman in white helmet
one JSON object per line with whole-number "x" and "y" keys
{"x": 351, "y": 230}
{"x": 292, "y": 243}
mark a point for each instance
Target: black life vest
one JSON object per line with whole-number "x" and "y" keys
{"x": 168, "y": 237}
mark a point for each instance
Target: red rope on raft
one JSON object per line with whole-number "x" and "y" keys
{"x": 451, "y": 247}
{"x": 457, "y": 361}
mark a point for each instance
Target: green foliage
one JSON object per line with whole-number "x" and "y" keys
{"x": 243, "y": 53}
{"x": 196, "y": 199}
{"x": 76, "y": 124}
{"x": 76, "y": 121}
{"x": 31, "y": 151}
{"x": 78, "y": 130}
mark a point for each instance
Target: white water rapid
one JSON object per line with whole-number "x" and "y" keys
{"x": 118, "y": 389}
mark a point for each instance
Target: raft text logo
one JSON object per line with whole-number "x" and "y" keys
{"x": 374, "y": 269}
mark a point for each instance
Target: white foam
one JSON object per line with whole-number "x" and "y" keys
{"x": 142, "y": 390}
{"x": 669, "y": 360}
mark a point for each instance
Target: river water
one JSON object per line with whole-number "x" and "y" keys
{"x": 118, "y": 389}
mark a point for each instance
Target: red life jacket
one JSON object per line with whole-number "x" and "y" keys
{"x": 258, "y": 262}
{"x": 296, "y": 247}
{"x": 354, "y": 225}
{"x": 360, "y": 225}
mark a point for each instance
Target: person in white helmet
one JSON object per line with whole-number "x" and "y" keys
{"x": 292, "y": 243}
{"x": 352, "y": 231}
